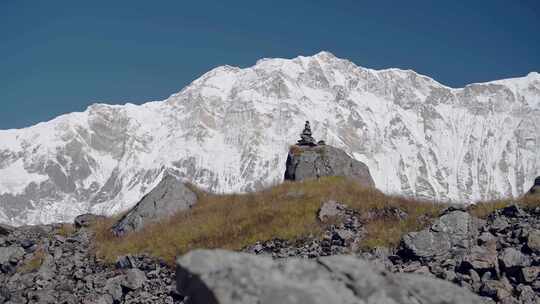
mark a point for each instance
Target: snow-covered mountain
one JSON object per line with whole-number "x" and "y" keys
{"x": 230, "y": 131}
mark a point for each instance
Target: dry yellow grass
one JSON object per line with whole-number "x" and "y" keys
{"x": 285, "y": 211}
{"x": 484, "y": 208}
{"x": 65, "y": 230}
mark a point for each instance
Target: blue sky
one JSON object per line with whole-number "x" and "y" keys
{"x": 61, "y": 56}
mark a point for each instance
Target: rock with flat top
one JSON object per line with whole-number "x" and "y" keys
{"x": 312, "y": 162}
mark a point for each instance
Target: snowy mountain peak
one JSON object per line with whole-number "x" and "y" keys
{"x": 230, "y": 130}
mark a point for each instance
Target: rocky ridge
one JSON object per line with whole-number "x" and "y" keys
{"x": 230, "y": 131}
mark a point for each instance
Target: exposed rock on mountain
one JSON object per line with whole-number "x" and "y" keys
{"x": 168, "y": 197}
{"x": 535, "y": 189}
{"x": 230, "y": 130}
{"x": 306, "y": 162}
{"x": 211, "y": 277}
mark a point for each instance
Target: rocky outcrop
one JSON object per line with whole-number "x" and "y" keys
{"x": 168, "y": 197}
{"x": 218, "y": 276}
{"x": 308, "y": 162}
{"x": 535, "y": 189}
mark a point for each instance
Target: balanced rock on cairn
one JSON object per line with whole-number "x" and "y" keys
{"x": 305, "y": 138}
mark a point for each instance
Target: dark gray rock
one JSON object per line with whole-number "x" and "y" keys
{"x": 453, "y": 233}
{"x": 5, "y": 229}
{"x": 167, "y": 198}
{"x": 218, "y": 276}
{"x": 512, "y": 211}
{"x": 124, "y": 262}
{"x": 305, "y": 162}
{"x": 86, "y": 220}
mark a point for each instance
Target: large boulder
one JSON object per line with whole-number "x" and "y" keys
{"x": 451, "y": 234}
{"x": 168, "y": 197}
{"x": 218, "y": 276}
{"x": 309, "y": 162}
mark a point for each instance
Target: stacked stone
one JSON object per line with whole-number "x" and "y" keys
{"x": 305, "y": 138}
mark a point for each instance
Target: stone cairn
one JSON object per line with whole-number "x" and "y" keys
{"x": 305, "y": 138}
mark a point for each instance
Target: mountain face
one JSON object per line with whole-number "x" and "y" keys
{"x": 230, "y": 130}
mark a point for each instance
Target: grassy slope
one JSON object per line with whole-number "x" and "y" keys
{"x": 285, "y": 211}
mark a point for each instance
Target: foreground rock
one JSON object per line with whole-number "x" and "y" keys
{"x": 218, "y": 276}
{"x": 309, "y": 162}
{"x": 168, "y": 197}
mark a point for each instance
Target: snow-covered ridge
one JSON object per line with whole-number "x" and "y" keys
{"x": 230, "y": 129}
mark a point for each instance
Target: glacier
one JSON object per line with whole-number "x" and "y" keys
{"x": 230, "y": 130}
